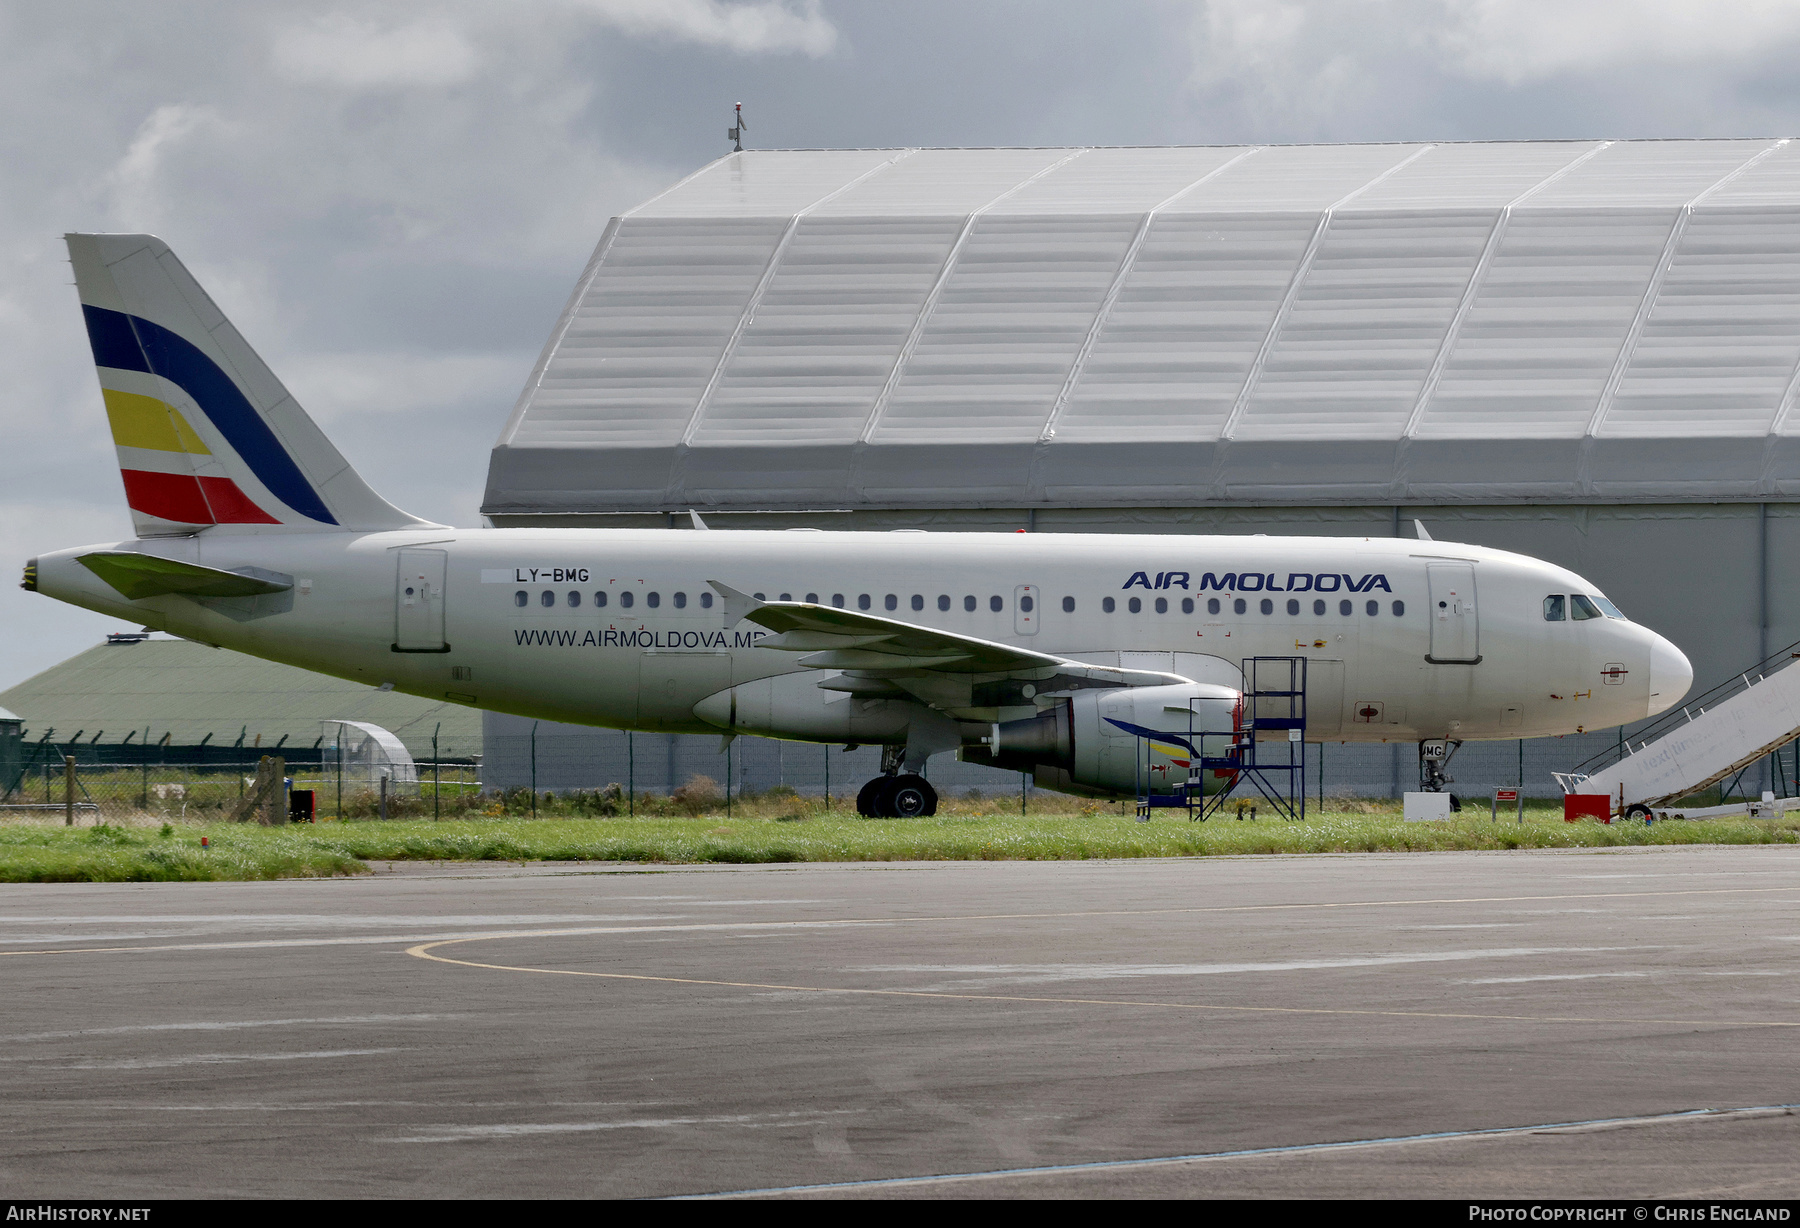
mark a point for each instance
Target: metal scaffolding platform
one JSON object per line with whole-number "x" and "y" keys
{"x": 1266, "y": 749}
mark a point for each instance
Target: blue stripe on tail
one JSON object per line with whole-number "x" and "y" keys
{"x": 132, "y": 343}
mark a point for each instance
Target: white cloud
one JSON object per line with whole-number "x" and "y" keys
{"x": 745, "y": 28}
{"x": 134, "y": 180}
{"x": 1525, "y": 40}
{"x": 1291, "y": 65}
{"x": 338, "y": 49}
{"x": 458, "y": 42}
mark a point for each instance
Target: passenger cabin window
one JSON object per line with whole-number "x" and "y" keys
{"x": 1318, "y": 608}
{"x": 1025, "y": 604}
{"x": 969, "y": 604}
{"x": 760, "y": 597}
{"x": 1553, "y": 608}
{"x": 1187, "y": 605}
{"x": 1344, "y": 608}
{"x": 546, "y": 599}
{"x": 706, "y": 601}
{"x": 891, "y": 601}
{"x": 1068, "y": 605}
{"x": 681, "y": 601}
{"x": 1267, "y": 606}
{"x": 918, "y": 601}
{"x": 1134, "y": 605}
{"x": 1374, "y": 608}
{"x": 653, "y": 599}
{"x": 521, "y": 597}
{"x": 995, "y": 604}
{"x": 1399, "y": 609}
{"x": 574, "y": 600}
{"x": 1162, "y": 605}
{"x": 1293, "y": 605}
{"x": 863, "y": 601}
{"x": 1108, "y": 604}
{"x": 812, "y": 599}
{"x": 599, "y": 600}
{"x": 943, "y": 601}
{"x": 1582, "y": 608}
{"x": 837, "y": 601}
{"x": 1239, "y": 606}
{"x": 626, "y": 598}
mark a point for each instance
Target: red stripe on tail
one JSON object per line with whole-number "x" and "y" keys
{"x": 188, "y": 500}
{"x": 230, "y": 505}
{"x": 172, "y": 496}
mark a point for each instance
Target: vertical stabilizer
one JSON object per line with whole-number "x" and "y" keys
{"x": 207, "y": 436}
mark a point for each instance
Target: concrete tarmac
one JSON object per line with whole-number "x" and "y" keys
{"x": 1527, "y": 1024}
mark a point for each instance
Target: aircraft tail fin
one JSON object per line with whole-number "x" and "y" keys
{"x": 208, "y": 438}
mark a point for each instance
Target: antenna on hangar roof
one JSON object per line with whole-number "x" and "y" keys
{"x": 735, "y": 134}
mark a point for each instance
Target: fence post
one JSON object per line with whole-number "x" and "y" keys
{"x": 534, "y": 726}
{"x": 68, "y": 790}
{"x": 436, "y": 785}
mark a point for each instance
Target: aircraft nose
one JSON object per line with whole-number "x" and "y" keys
{"x": 1670, "y": 675}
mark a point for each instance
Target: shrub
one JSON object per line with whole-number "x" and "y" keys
{"x": 698, "y": 795}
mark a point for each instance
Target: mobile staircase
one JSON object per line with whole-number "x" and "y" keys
{"x": 1267, "y": 750}
{"x": 1711, "y": 737}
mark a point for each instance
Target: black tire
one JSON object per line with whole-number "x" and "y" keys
{"x": 1455, "y": 804}
{"x": 872, "y": 799}
{"x": 911, "y": 797}
{"x": 1639, "y": 811}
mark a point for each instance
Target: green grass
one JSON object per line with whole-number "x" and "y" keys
{"x": 801, "y": 831}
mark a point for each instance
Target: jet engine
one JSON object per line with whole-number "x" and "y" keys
{"x": 1121, "y": 741}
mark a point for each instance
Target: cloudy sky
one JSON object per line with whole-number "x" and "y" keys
{"x": 392, "y": 200}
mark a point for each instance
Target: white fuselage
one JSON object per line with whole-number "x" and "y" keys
{"x": 1404, "y": 639}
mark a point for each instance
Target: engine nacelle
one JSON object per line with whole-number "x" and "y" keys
{"x": 1095, "y": 741}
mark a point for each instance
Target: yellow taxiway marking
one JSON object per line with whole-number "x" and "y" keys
{"x": 823, "y": 923}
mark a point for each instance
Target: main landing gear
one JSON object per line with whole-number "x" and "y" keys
{"x": 896, "y": 795}
{"x": 1434, "y": 757}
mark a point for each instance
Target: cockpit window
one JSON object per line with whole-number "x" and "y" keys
{"x": 1553, "y": 608}
{"x": 1608, "y": 608}
{"x": 1583, "y": 607}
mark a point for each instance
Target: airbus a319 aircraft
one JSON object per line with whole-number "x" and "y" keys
{"x": 1040, "y": 652}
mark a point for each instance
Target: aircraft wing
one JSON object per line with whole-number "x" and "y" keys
{"x": 869, "y": 647}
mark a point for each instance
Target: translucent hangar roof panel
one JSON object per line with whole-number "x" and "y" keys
{"x": 1331, "y": 323}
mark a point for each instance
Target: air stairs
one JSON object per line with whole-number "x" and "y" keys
{"x": 1701, "y": 743}
{"x": 1267, "y": 750}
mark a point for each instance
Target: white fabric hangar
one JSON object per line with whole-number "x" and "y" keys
{"x": 1327, "y": 324}
{"x": 1588, "y": 351}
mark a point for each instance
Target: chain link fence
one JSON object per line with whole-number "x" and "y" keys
{"x": 49, "y": 790}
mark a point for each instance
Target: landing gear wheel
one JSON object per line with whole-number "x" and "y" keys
{"x": 1639, "y": 811}
{"x": 872, "y": 801}
{"x": 1455, "y": 804}
{"x": 911, "y": 797}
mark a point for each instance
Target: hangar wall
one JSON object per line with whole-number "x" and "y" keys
{"x": 1584, "y": 351}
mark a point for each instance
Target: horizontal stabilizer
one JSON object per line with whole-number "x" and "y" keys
{"x": 138, "y": 576}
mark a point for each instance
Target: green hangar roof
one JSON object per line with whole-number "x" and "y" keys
{"x": 189, "y": 691}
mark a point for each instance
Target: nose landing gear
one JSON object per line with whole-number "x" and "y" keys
{"x": 896, "y": 795}
{"x": 1434, "y": 757}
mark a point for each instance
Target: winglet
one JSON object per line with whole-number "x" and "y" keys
{"x": 737, "y": 605}
{"x": 1419, "y": 528}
